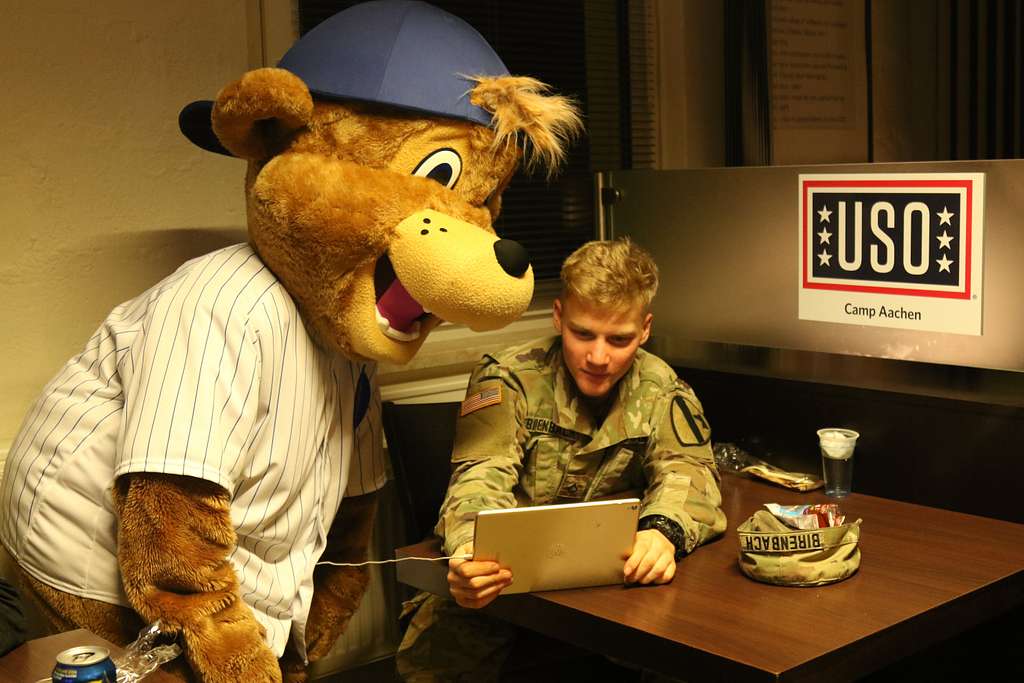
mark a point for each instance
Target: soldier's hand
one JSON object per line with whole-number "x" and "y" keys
{"x": 475, "y": 584}
{"x": 653, "y": 559}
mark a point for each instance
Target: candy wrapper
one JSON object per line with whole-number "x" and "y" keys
{"x": 152, "y": 648}
{"x": 732, "y": 458}
{"x": 818, "y": 516}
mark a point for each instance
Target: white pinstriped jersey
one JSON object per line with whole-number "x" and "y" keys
{"x": 210, "y": 374}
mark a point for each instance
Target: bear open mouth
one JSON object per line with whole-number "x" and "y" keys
{"x": 398, "y": 314}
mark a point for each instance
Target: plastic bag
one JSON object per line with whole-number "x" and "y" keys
{"x": 731, "y": 458}
{"x": 146, "y": 653}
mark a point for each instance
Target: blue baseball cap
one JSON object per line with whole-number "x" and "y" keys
{"x": 401, "y": 53}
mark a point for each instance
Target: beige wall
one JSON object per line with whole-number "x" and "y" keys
{"x": 100, "y": 195}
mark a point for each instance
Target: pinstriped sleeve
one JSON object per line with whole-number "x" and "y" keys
{"x": 196, "y": 401}
{"x": 368, "y": 472}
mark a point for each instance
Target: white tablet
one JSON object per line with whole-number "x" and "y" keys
{"x": 549, "y": 547}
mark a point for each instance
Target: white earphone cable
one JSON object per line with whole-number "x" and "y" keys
{"x": 400, "y": 559}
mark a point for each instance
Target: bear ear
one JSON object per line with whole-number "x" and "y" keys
{"x": 525, "y": 112}
{"x": 255, "y": 117}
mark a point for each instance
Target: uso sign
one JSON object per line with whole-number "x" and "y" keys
{"x": 892, "y": 250}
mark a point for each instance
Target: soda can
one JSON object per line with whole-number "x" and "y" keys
{"x": 88, "y": 663}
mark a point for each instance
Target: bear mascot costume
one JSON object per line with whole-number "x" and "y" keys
{"x": 219, "y": 435}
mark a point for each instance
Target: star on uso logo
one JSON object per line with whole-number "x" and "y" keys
{"x": 888, "y": 235}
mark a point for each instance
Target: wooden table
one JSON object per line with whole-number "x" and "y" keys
{"x": 926, "y": 575}
{"x": 35, "y": 659}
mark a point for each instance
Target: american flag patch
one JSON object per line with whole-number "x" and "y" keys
{"x": 481, "y": 399}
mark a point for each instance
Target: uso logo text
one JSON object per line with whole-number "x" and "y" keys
{"x": 909, "y": 237}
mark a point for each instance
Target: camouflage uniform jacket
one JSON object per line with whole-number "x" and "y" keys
{"x": 525, "y": 437}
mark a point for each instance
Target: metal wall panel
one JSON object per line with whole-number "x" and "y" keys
{"x": 726, "y": 242}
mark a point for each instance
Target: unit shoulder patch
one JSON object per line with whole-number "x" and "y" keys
{"x": 688, "y": 424}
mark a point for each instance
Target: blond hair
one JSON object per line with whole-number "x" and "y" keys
{"x": 615, "y": 273}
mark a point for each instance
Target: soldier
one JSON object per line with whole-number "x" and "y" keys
{"x": 584, "y": 415}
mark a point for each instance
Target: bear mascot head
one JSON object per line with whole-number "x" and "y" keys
{"x": 372, "y": 188}
{"x": 219, "y": 437}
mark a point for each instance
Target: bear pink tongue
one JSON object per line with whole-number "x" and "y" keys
{"x": 399, "y": 308}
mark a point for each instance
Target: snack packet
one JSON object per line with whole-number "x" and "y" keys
{"x": 818, "y": 516}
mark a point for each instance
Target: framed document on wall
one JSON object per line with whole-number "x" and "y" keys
{"x": 798, "y": 82}
{"x": 819, "y": 92}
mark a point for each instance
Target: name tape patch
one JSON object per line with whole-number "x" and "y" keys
{"x": 781, "y": 543}
{"x": 542, "y": 425}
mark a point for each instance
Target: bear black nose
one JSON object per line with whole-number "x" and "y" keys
{"x": 512, "y": 257}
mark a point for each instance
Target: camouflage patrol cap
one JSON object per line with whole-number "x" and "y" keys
{"x": 772, "y": 552}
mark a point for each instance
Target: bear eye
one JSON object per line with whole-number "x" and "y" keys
{"x": 443, "y": 165}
